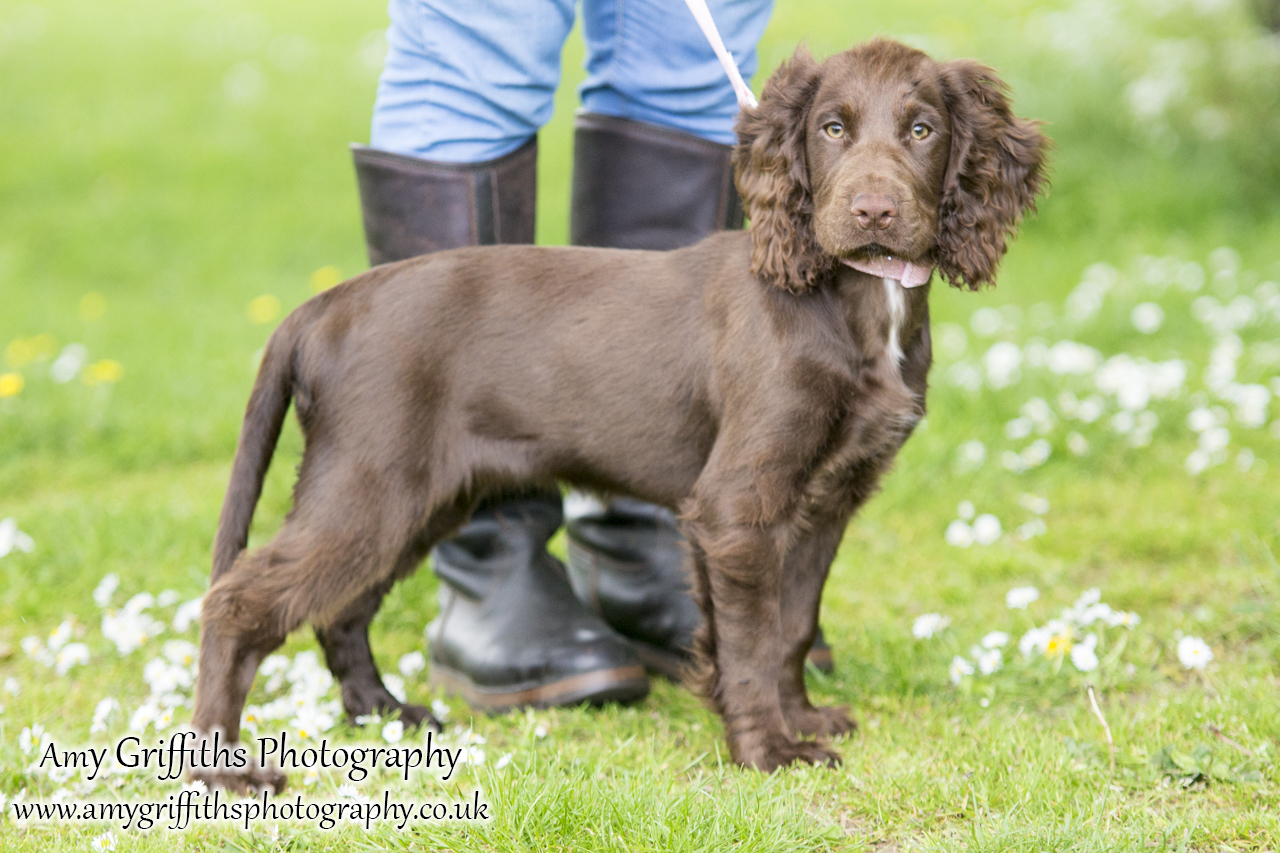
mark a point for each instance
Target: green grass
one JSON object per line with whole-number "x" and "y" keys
{"x": 128, "y": 172}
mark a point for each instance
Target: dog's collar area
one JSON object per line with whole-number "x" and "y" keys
{"x": 904, "y": 272}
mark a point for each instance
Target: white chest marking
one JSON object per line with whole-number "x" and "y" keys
{"x": 896, "y": 302}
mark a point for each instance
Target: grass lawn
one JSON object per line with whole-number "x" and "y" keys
{"x": 175, "y": 177}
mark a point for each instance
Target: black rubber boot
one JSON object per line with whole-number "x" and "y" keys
{"x": 510, "y": 631}
{"x": 640, "y": 186}
{"x": 627, "y": 562}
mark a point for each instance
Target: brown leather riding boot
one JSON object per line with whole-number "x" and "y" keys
{"x": 413, "y": 206}
{"x": 641, "y": 186}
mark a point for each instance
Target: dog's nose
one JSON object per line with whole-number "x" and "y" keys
{"x": 874, "y": 212}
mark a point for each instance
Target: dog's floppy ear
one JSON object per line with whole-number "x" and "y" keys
{"x": 773, "y": 178}
{"x": 995, "y": 171}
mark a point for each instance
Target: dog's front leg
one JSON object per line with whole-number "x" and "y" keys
{"x": 804, "y": 574}
{"x": 739, "y": 573}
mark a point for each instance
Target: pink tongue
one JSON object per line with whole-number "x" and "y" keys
{"x": 909, "y": 274}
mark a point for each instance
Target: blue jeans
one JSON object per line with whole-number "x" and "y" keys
{"x": 469, "y": 80}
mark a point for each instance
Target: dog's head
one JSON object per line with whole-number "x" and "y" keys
{"x": 882, "y": 151}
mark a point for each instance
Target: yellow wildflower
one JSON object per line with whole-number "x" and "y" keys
{"x": 325, "y": 278}
{"x": 103, "y": 371}
{"x": 18, "y": 353}
{"x": 22, "y": 351}
{"x": 43, "y": 345}
{"x": 1059, "y": 644}
{"x": 264, "y": 309}
{"x": 11, "y": 384}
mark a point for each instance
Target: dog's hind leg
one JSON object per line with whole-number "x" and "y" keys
{"x": 309, "y": 572}
{"x": 238, "y": 629}
{"x": 805, "y": 572}
{"x": 345, "y": 637}
{"x": 345, "y": 641}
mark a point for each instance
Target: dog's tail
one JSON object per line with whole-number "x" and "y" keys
{"x": 263, "y": 418}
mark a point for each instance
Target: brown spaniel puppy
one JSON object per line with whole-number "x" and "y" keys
{"x": 759, "y": 382}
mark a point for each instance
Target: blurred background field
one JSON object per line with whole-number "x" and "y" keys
{"x": 174, "y": 177}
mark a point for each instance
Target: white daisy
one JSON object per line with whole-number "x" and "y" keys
{"x": 1194, "y": 653}
{"x": 105, "y": 589}
{"x": 186, "y": 614}
{"x": 1020, "y": 597}
{"x": 959, "y": 534}
{"x": 32, "y": 738}
{"x": 395, "y": 686}
{"x": 959, "y": 669}
{"x": 1035, "y": 641}
{"x": 1077, "y": 444}
{"x": 36, "y": 650}
{"x": 69, "y": 363}
{"x": 181, "y": 652}
{"x": 1034, "y": 503}
{"x": 72, "y": 654}
{"x": 1033, "y": 528}
{"x": 412, "y": 663}
{"x": 1147, "y": 317}
{"x": 13, "y": 539}
{"x": 105, "y": 841}
{"x": 995, "y": 640}
{"x": 1083, "y": 654}
{"x": 928, "y": 624}
{"x": 989, "y": 660}
{"x": 986, "y": 529}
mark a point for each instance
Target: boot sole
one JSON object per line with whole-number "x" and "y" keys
{"x": 673, "y": 665}
{"x": 620, "y": 684}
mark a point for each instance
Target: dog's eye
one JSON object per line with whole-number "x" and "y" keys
{"x": 835, "y": 130}
{"x": 920, "y": 131}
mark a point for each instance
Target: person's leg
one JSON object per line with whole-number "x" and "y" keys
{"x": 648, "y": 61}
{"x": 452, "y": 157}
{"x": 652, "y": 170}
{"x": 452, "y": 162}
{"x": 467, "y": 81}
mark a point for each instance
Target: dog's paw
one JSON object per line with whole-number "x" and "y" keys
{"x": 244, "y": 782}
{"x": 362, "y": 698}
{"x": 824, "y": 721}
{"x": 778, "y": 750}
{"x": 416, "y": 715}
{"x": 411, "y": 715}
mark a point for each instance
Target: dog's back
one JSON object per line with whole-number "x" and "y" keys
{"x": 506, "y": 364}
